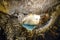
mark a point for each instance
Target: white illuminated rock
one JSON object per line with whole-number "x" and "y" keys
{"x": 30, "y": 21}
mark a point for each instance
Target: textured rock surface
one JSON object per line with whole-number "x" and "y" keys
{"x": 12, "y": 30}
